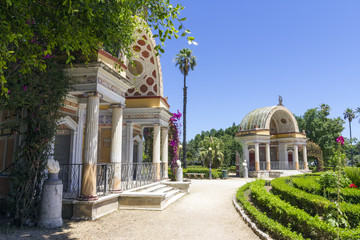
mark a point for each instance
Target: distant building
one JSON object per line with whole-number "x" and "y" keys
{"x": 271, "y": 140}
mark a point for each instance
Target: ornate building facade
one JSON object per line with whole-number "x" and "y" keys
{"x": 271, "y": 140}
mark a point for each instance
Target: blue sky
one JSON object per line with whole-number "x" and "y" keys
{"x": 249, "y": 52}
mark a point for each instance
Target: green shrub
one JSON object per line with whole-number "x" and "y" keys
{"x": 297, "y": 219}
{"x": 275, "y": 229}
{"x": 353, "y": 173}
{"x": 313, "y": 204}
{"x": 329, "y": 180}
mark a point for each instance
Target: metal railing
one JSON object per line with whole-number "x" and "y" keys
{"x": 104, "y": 178}
{"x": 132, "y": 175}
{"x": 162, "y": 170}
{"x": 276, "y": 165}
{"x": 70, "y": 174}
{"x": 137, "y": 174}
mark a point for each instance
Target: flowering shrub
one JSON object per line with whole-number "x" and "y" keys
{"x": 352, "y": 186}
{"x": 174, "y": 140}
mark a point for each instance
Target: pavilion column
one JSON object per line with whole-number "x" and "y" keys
{"x": 246, "y": 154}
{"x": 268, "y": 164}
{"x": 164, "y": 150}
{"x": 296, "y": 155}
{"x": 156, "y": 150}
{"x": 88, "y": 183}
{"x": 257, "y": 161}
{"x": 116, "y": 144}
{"x": 305, "y": 157}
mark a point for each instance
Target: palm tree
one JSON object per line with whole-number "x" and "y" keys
{"x": 185, "y": 60}
{"x": 349, "y": 114}
{"x": 216, "y": 151}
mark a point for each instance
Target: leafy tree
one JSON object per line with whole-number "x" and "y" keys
{"x": 349, "y": 114}
{"x": 217, "y": 156}
{"x": 321, "y": 130}
{"x": 32, "y": 29}
{"x": 230, "y": 145}
{"x": 186, "y": 61}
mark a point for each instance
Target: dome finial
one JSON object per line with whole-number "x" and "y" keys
{"x": 280, "y": 101}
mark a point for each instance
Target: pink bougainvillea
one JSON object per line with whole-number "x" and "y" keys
{"x": 174, "y": 139}
{"x": 340, "y": 140}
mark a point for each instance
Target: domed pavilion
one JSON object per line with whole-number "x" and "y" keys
{"x": 271, "y": 140}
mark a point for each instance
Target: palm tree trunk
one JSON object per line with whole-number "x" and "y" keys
{"x": 352, "y": 158}
{"x": 184, "y": 122}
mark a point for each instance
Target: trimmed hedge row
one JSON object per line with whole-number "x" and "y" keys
{"x": 313, "y": 204}
{"x": 310, "y": 185}
{"x": 297, "y": 219}
{"x": 216, "y": 173}
{"x": 275, "y": 229}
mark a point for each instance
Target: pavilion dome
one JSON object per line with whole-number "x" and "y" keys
{"x": 277, "y": 119}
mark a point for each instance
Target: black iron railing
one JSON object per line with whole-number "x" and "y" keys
{"x": 104, "y": 178}
{"x": 137, "y": 174}
{"x": 132, "y": 176}
{"x": 70, "y": 174}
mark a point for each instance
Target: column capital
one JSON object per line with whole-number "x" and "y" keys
{"x": 93, "y": 94}
{"x": 117, "y": 105}
{"x": 165, "y": 128}
{"x": 156, "y": 124}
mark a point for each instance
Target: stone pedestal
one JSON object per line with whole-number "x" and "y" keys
{"x": 51, "y": 202}
{"x": 179, "y": 175}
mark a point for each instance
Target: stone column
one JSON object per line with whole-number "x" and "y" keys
{"x": 268, "y": 164}
{"x": 257, "y": 161}
{"x": 156, "y": 150}
{"x": 296, "y": 156}
{"x": 116, "y": 144}
{"x": 305, "y": 157}
{"x": 164, "y": 151}
{"x": 246, "y": 153}
{"x": 88, "y": 183}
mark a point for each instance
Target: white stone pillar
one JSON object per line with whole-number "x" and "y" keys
{"x": 116, "y": 144}
{"x": 268, "y": 163}
{"x": 164, "y": 151}
{"x": 156, "y": 150}
{"x": 305, "y": 157}
{"x": 246, "y": 154}
{"x": 257, "y": 161}
{"x": 296, "y": 156}
{"x": 88, "y": 184}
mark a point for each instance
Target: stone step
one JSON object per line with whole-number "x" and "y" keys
{"x": 163, "y": 189}
{"x": 173, "y": 199}
{"x": 171, "y": 193}
{"x": 154, "y": 188}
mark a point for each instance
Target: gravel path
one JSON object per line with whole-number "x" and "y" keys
{"x": 206, "y": 213}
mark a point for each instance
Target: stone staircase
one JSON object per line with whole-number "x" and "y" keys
{"x": 156, "y": 196}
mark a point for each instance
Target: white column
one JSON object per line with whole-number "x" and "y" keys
{"x": 116, "y": 144}
{"x": 80, "y": 136}
{"x": 246, "y": 154}
{"x": 88, "y": 186}
{"x": 305, "y": 157}
{"x": 156, "y": 150}
{"x": 257, "y": 161}
{"x": 268, "y": 164}
{"x": 296, "y": 156}
{"x": 164, "y": 151}
{"x": 128, "y": 144}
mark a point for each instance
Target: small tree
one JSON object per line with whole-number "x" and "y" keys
{"x": 217, "y": 157}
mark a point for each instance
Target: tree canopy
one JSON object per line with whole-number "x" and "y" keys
{"x": 321, "y": 129}
{"x": 229, "y": 145}
{"x": 31, "y": 30}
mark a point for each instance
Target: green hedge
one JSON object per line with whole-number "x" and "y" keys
{"x": 297, "y": 219}
{"x": 313, "y": 204}
{"x": 216, "y": 173}
{"x": 310, "y": 185}
{"x": 275, "y": 229}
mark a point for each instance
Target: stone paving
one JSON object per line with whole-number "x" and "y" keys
{"x": 206, "y": 213}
